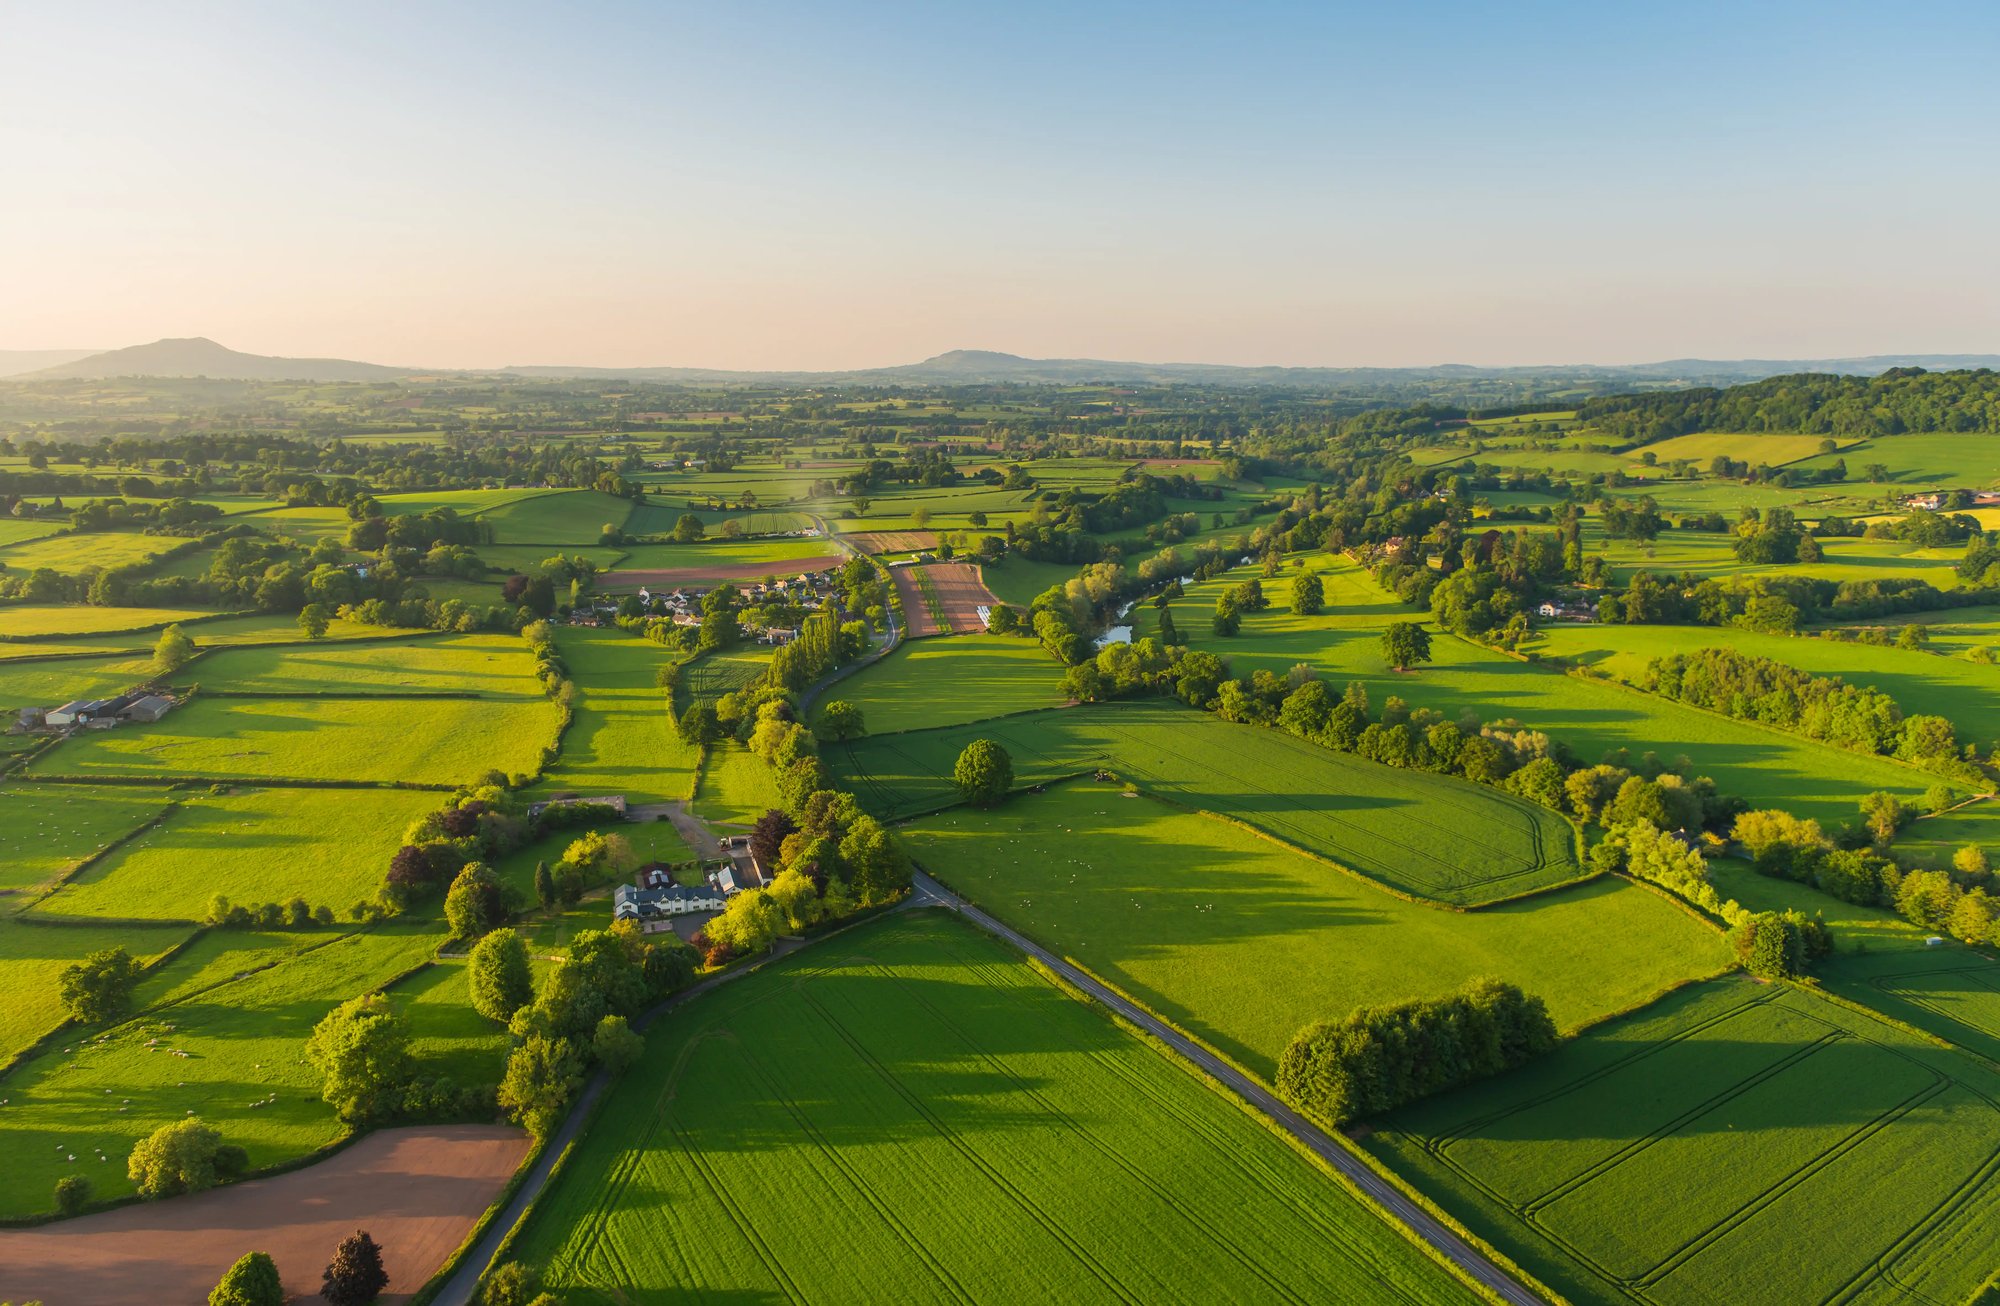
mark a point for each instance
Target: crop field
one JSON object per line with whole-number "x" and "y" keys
{"x": 622, "y": 739}
{"x": 961, "y": 1129}
{"x": 715, "y": 572}
{"x": 1718, "y": 1147}
{"x": 73, "y": 553}
{"x": 47, "y": 619}
{"x": 308, "y": 524}
{"x": 928, "y": 683}
{"x": 32, "y": 958}
{"x": 93, "y": 1099}
{"x": 893, "y": 541}
{"x": 558, "y": 517}
{"x": 1766, "y": 768}
{"x": 1417, "y": 832}
{"x": 489, "y": 665}
{"x": 1242, "y": 941}
{"x": 945, "y": 596}
{"x": 50, "y": 828}
{"x": 419, "y": 741}
{"x": 328, "y": 846}
{"x": 466, "y": 503}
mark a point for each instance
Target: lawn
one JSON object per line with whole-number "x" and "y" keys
{"x": 31, "y": 960}
{"x": 959, "y": 1128}
{"x": 1735, "y": 1142}
{"x": 73, "y": 553}
{"x": 622, "y": 740}
{"x": 935, "y": 682}
{"x": 1418, "y": 832}
{"x": 1767, "y": 768}
{"x": 1242, "y": 941}
{"x": 50, "y": 828}
{"x": 419, "y": 741}
{"x": 42, "y": 619}
{"x": 328, "y": 846}
{"x": 94, "y": 1098}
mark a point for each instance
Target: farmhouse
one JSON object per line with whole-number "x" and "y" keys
{"x": 629, "y": 902}
{"x": 1553, "y": 610}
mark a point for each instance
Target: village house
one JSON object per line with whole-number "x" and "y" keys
{"x": 629, "y": 902}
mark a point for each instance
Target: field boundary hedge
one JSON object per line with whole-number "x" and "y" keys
{"x": 353, "y": 694}
{"x": 247, "y": 782}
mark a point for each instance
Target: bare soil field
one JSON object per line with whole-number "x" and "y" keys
{"x": 892, "y": 541}
{"x": 956, "y": 589}
{"x": 669, "y": 577}
{"x": 418, "y": 1191}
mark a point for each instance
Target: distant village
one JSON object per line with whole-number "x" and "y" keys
{"x": 809, "y": 590}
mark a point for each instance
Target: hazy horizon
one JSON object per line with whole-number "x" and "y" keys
{"x": 790, "y": 188}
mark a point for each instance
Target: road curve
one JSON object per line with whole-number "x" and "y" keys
{"x": 1393, "y": 1204}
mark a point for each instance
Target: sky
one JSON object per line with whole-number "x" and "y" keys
{"x": 824, "y": 186}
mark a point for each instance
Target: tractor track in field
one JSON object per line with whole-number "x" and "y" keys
{"x": 1392, "y": 1204}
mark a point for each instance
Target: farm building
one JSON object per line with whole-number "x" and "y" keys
{"x": 149, "y": 708}
{"x": 631, "y": 903}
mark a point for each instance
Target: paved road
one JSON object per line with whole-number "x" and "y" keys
{"x": 1393, "y": 1204}
{"x": 888, "y": 646}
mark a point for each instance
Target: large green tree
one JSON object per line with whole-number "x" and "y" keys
{"x": 362, "y": 1048}
{"x": 99, "y": 988}
{"x": 176, "y": 1158}
{"x": 1405, "y": 644}
{"x": 500, "y": 978}
{"x": 252, "y": 1281}
{"x": 984, "y": 773}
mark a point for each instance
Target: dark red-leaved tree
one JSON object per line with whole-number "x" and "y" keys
{"x": 355, "y": 1276}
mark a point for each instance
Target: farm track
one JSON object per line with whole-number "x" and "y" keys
{"x": 1394, "y": 1205}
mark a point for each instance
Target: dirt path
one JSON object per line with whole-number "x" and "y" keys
{"x": 418, "y": 1191}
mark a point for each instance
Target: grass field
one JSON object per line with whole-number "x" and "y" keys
{"x": 17, "y": 530}
{"x": 423, "y": 741}
{"x": 725, "y": 671}
{"x": 1766, "y": 768}
{"x": 1018, "y": 581}
{"x": 622, "y": 739}
{"x": 490, "y": 665}
{"x": 243, "y": 1074}
{"x": 962, "y": 1130}
{"x": 1735, "y": 1142}
{"x": 328, "y": 846}
{"x": 558, "y": 517}
{"x": 47, "y": 683}
{"x": 736, "y": 786}
{"x": 1755, "y": 449}
{"x": 779, "y": 555}
{"x": 73, "y": 553}
{"x": 1916, "y": 461}
{"x": 39, "y": 619}
{"x": 932, "y": 682}
{"x": 1241, "y": 941}
{"x": 1421, "y": 833}
{"x": 31, "y": 959}
{"x": 50, "y": 828}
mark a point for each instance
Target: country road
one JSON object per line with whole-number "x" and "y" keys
{"x": 1392, "y": 1203}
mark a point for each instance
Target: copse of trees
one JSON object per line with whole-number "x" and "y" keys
{"x": 99, "y": 988}
{"x": 1380, "y": 1058}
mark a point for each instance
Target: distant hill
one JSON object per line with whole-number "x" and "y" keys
{"x": 13, "y": 362}
{"x": 982, "y": 367}
{"x": 197, "y": 356}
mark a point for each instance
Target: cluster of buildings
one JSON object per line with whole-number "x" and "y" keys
{"x": 655, "y": 900}
{"x": 811, "y": 590}
{"x": 97, "y": 713}
{"x": 1934, "y": 500}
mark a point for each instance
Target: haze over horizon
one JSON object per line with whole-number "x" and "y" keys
{"x": 786, "y": 187}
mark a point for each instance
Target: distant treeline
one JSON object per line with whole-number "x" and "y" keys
{"x": 1903, "y": 399}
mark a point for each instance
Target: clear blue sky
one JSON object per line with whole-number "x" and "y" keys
{"x": 788, "y": 185}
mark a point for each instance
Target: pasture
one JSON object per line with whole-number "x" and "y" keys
{"x": 32, "y": 959}
{"x": 30, "y": 620}
{"x": 784, "y": 557}
{"x": 488, "y": 665}
{"x": 929, "y": 683}
{"x": 1417, "y": 832}
{"x": 50, "y": 828}
{"x": 556, "y": 517}
{"x": 1718, "y": 1146}
{"x": 960, "y": 1128}
{"x": 1241, "y": 941}
{"x": 1756, "y": 449}
{"x": 736, "y": 786}
{"x": 47, "y": 682}
{"x": 622, "y": 738}
{"x": 328, "y": 846}
{"x": 73, "y": 553}
{"x": 438, "y": 742}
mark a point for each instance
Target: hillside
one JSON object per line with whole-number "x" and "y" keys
{"x": 15, "y": 362}
{"x": 198, "y": 356}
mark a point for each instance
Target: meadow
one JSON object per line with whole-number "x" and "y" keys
{"x": 727, "y": 555}
{"x": 328, "y": 846}
{"x": 50, "y": 828}
{"x": 1241, "y": 941}
{"x": 31, "y": 960}
{"x": 736, "y": 786}
{"x": 439, "y": 742}
{"x": 1754, "y": 448}
{"x": 19, "y": 530}
{"x": 1719, "y": 1146}
{"x": 26, "y": 620}
{"x": 1915, "y": 462}
{"x": 556, "y": 517}
{"x": 1420, "y": 833}
{"x": 47, "y": 682}
{"x": 960, "y": 1128}
{"x": 74, "y": 553}
{"x": 934, "y": 682}
{"x": 1593, "y": 717}
{"x": 488, "y": 665}
{"x": 622, "y": 738}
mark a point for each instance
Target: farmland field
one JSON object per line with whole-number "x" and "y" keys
{"x": 50, "y": 828}
{"x": 1242, "y": 941}
{"x": 782, "y": 557}
{"x": 559, "y": 517}
{"x": 1417, "y": 832}
{"x": 490, "y": 665}
{"x": 1712, "y": 1148}
{"x": 32, "y": 958}
{"x": 52, "y": 681}
{"x": 73, "y": 553}
{"x": 48, "y": 619}
{"x": 420, "y": 741}
{"x": 328, "y": 846}
{"x": 963, "y": 1129}
{"x": 932, "y": 683}
{"x": 622, "y": 739}
{"x": 736, "y": 786}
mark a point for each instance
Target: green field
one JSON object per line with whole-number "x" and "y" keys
{"x": 724, "y": 671}
{"x": 53, "y": 681}
{"x": 19, "y": 530}
{"x": 421, "y": 741}
{"x": 73, "y": 553}
{"x": 1735, "y": 1142}
{"x": 782, "y": 556}
{"x": 489, "y": 665}
{"x": 558, "y": 517}
{"x": 50, "y": 828}
{"x": 1755, "y": 449}
{"x": 1418, "y": 832}
{"x": 736, "y": 785}
{"x": 31, "y": 959}
{"x": 1916, "y": 461}
{"x": 622, "y": 740}
{"x": 1241, "y": 941}
{"x": 328, "y": 846}
{"x": 36, "y": 619}
{"x": 960, "y": 1129}
{"x": 935, "y": 682}
{"x": 1766, "y": 768}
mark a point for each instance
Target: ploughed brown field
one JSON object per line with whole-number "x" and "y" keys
{"x": 892, "y": 541}
{"x": 670, "y": 577}
{"x": 960, "y": 589}
{"x": 418, "y": 1191}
